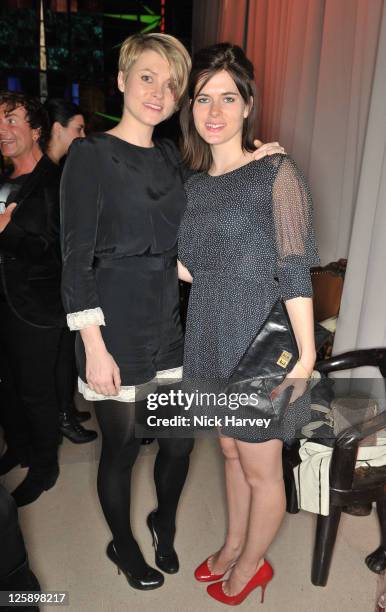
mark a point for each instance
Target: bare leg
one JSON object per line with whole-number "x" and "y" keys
{"x": 238, "y": 498}
{"x": 262, "y": 466}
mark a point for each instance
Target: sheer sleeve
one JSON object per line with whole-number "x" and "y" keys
{"x": 79, "y": 205}
{"x": 294, "y": 234}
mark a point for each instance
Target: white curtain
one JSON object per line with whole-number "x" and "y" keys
{"x": 314, "y": 62}
{"x": 321, "y": 69}
{"x": 362, "y": 319}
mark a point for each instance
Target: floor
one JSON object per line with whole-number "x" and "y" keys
{"x": 66, "y": 538}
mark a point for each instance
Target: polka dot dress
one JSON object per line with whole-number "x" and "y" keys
{"x": 247, "y": 239}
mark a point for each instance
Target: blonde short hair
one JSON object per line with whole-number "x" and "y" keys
{"x": 168, "y": 47}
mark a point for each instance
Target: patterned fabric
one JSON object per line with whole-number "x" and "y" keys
{"x": 241, "y": 231}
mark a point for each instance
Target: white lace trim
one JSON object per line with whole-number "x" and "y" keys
{"x": 133, "y": 393}
{"x": 164, "y": 377}
{"x": 85, "y": 318}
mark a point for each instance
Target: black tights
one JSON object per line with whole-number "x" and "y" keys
{"x": 120, "y": 449}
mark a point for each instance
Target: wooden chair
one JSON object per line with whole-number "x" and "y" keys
{"x": 348, "y": 485}
{"x": 327, "y": 285}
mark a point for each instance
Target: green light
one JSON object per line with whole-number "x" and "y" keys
{"x": 152, "y": 26}
{"x": 111, "y": 117}
{"x": 142, "y": 18}
{"x": 151, "y": 19}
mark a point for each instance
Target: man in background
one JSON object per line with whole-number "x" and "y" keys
{"x": 31, "y": 313}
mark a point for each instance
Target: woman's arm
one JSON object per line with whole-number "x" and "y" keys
{"x": 80, "y": 195}
{"x": 296, "y": 253}
{"x": 183, "y": 273}
{"x": 300, "y": 312}
{"x": 79, "y": 211}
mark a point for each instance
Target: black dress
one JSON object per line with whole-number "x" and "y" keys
{"x": 247, "y": 238}
{"x": 121, "y": 208}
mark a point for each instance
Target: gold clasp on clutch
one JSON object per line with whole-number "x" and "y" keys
{"x": 284, "y": 359}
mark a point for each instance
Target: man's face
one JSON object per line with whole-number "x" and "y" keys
{"x": 17, "y": 138}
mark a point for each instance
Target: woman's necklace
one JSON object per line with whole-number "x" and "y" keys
{"x": 233, "y": 166}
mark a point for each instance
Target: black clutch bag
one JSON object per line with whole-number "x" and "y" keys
{"x": 270, "y": 356}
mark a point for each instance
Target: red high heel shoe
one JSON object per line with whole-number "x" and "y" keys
{"x": 261, "y": 578}
{"x": 203, "y": 573}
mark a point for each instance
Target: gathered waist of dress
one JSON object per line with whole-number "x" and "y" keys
{"x": 256, "y": 275}
{"x": 150, "y": 261}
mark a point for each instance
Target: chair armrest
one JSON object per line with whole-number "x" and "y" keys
{"x": 354, "y": 359}
{"x": 345, "y": 451}
{"x": 353, "y": 435}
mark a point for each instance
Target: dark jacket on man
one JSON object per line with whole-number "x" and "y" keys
{"x": 30, "y": 262}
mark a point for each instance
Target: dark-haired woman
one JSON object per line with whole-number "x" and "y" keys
{"x": 247, "y": 223}
{"x": 66, "y": 124}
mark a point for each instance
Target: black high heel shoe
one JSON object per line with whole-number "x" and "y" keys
{"x": 166, "y": 562}
{"x": 151, "y": 579}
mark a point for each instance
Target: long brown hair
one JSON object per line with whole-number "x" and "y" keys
{"x": 206, "y": 63}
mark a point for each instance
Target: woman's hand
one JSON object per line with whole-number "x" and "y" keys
{"x": 183, "y": 273}
{"x": 6, "y": 216}
{"x": 296, "y": 378}
{"x": 102, "y": 373}
{"x": 269, "y": 148}
{"x": 300, "y": 312}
